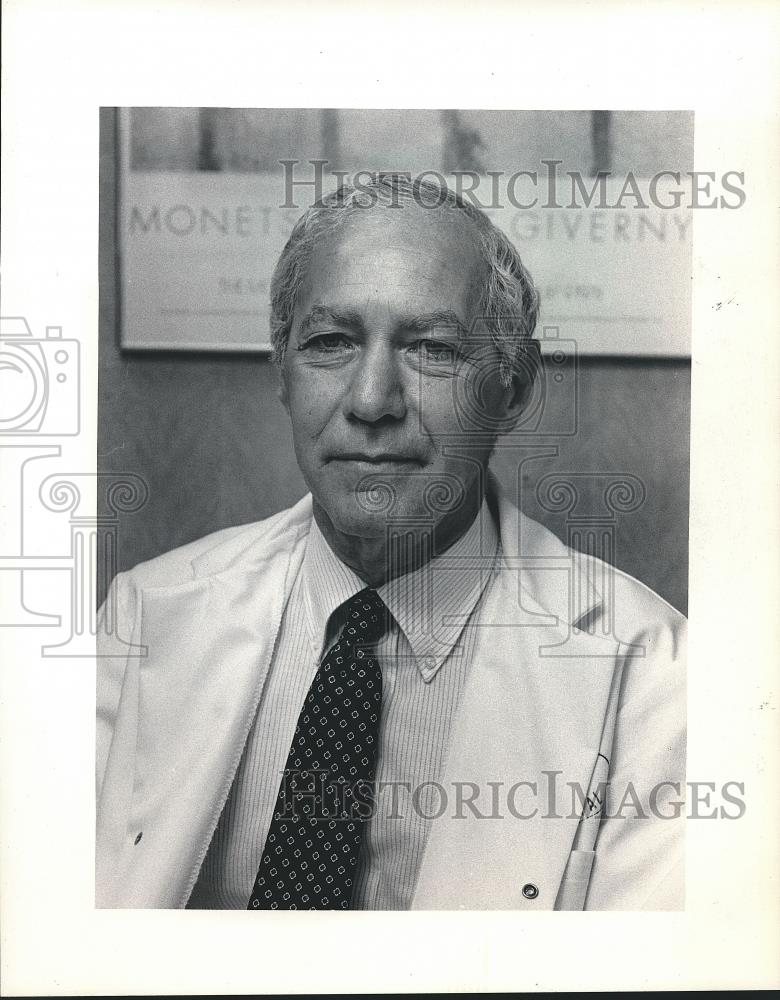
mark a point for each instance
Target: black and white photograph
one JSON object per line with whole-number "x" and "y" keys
{"x": 437, "y": 397}
{"x": 387, "y": 408}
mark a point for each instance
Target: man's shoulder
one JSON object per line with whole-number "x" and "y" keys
{"x": 221, "y": 549}
{"x": 619, "y": 597}
{"x": 636, "y": 600}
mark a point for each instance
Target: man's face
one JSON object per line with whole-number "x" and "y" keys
{"x": 375, "y": 368}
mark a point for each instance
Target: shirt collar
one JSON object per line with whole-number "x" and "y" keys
{"x": 431, "y": 604}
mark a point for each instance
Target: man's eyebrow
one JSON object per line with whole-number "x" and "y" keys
{"x": 352, "y": 320}
{"x": 347, "y": 318}
{"x": 428, "y": 321}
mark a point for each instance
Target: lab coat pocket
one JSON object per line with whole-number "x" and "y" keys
{"x": 574, "y": 885}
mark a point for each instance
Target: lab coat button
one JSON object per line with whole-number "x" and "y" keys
{"x": 530, "y": 891}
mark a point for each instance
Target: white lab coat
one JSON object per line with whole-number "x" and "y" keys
{"x": 545, "y": 704}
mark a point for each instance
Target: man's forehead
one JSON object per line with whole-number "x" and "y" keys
{"x": 407, "y": 223}
{"x": 420, "y": 252}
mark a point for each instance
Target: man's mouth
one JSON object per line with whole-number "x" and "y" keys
{"x": 378, "y": 459}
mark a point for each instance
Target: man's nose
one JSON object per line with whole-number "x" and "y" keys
{"x": 376, "y": 392}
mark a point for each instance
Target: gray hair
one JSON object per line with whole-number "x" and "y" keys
{"x": 509, "y": 303}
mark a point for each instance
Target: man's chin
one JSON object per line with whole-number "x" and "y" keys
{"x": 371, "y": 512}
{"x": 368, "y": 505}
{"x": 355, "y": 515}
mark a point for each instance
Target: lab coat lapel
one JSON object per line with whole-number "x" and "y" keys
{"x": 209, "y": 644}
{"x": 532, "y": 712}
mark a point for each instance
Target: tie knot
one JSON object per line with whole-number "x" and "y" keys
{"x": 365, "y": 617}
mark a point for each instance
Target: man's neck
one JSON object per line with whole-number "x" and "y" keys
{"x": 379, "y": 558}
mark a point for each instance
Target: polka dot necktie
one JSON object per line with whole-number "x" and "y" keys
{"x": 324, "y": 799}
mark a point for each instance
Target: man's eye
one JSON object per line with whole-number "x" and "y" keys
{"x": 434, "y": 352}
{"x": 327, "y": 343}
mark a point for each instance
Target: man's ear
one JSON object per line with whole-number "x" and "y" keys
{"x": 281, "y": 392}
{"x": 520, "y": 390}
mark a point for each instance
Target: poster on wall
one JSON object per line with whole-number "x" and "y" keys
{"x": 595, "y": 201}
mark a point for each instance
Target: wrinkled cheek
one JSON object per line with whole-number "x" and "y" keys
{"x": 309, "y": 418}
{"x": 436, "y": 413}
{"x": 462, "y": 473}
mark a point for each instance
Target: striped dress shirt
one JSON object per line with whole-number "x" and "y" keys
{"x": 425, "y": 658}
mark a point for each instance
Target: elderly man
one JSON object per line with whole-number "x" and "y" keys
{"x": 401, "y": 693}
